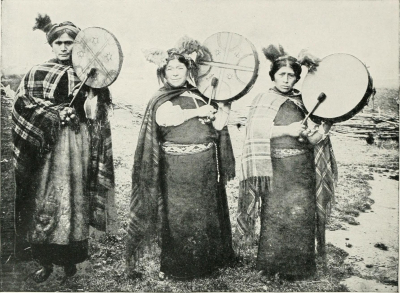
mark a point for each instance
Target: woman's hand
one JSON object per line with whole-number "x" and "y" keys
{"x": 318, "y": 132}
{"x": 207, "y": 111}
{"x": 222, "y": 115}
{"x": 68, "y": 118}
{"x": 43, "y": 103}
{"x": 326, "y": 125}
{"x": 296, "y": 129}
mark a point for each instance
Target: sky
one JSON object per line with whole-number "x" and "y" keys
{"x": 365, "y": 29}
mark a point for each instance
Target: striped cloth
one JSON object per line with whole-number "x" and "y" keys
{"x": 256, "y": 154}
{"x": 326, "y": 178}
{"x": 36, "y": 127}
{"x": 256, "y": 164}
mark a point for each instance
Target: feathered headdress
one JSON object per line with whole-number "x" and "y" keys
{"x": 276, "y": 53}
{"x": 273, "y": 53}
{"x": 307, "y": 59}
{"x": 43, "y": 23}
{"x": 189, "y": 48}
{"x": 158, "y": 57}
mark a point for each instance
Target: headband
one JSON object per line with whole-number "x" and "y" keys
{"x": 59, "y": 27}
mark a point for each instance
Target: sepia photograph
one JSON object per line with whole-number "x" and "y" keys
{"x": 197, "y": 146}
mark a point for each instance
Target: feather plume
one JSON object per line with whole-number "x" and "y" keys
{"x": 158, "y": 57}
{"x": 173, "y": 51}
{"x": 273, "y": 52}
{"x": 43, "y": 22}
{"x": 187, "y": 45}
{"x": 191, "y": 48}
{"x": 308, "y": 60}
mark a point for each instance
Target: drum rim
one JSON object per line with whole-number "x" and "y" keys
{"x": 254, "y": 77}
{"x": 119, "y": 49}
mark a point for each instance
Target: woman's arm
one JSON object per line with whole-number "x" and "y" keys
{"x": 295, "y": 130}
{"x": 169, "y": 115}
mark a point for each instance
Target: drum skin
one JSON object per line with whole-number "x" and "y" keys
{"x": 97, "y": 48}
{"x": 346, "y": 83}
{"x": 233, "y": 60}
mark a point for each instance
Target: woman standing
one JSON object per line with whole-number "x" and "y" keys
{"x": 291, "y": 168}
{"x": 63, "y": 158}
{"x": 182, "y": 162}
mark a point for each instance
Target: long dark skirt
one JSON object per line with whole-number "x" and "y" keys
{"x": 63, "y": 255}
{"x": 52, "y": 202}
{"x": 287, "y": 240}
{"x": 196, "y": 236}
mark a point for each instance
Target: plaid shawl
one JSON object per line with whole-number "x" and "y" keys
{"x": 256, "y": 167}
{"x": 146, "y": 207}
{"x": 36, "y": 128}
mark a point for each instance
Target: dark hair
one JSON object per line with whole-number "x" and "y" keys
{"x": 54, "y": 31}
{"x": 59, "y": 29}
{"x": 279, "y": 58}
{"x": 189, "y": 64}
{"x": 286, "y": 61}
{"x": 58, "y": 34}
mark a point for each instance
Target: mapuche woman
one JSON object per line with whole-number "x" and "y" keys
{"x": 63, "y": 158}
{"x": 291, "y": 168}
{"x": 182, "y": 162}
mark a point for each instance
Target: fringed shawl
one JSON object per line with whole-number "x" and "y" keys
{"x": 256, "y": 167}
{"x": 36, "y": 128}
{"x": 146, "y": 207}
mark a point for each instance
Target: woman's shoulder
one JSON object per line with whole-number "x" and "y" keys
{"x": 268, "y": 98}
{"x": 45, "y": 66}
{"x": 158, "y": 98}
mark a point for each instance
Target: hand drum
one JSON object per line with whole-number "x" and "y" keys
{"x": 231, "y": 61}
{"x": 96, "y": 48}
{"x": 346, "y": 83}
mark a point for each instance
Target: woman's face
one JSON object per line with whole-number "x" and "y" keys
{"x": 62, "y": 47}
{"x": 285, "y": 79}
{"x": 176, "y": 73}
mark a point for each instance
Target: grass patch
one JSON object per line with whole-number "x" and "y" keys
{"x": 351, "y": 197}
{"x": 105, "y": 272}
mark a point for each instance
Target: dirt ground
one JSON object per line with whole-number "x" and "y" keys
{"x": 104, "y": 271}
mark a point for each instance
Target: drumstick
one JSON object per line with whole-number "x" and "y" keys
{"x": 320, "y": 99}
{"x": 91, "y": 73}
{"x": 214, "y": 84}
